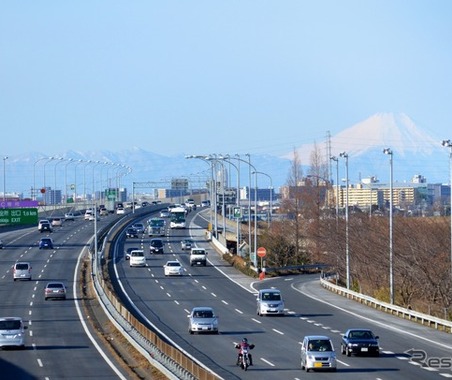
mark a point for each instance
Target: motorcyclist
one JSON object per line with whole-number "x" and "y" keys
{"x": 244, "y": 345}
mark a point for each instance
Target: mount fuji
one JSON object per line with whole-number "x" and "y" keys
{"x": 414, "y": 151}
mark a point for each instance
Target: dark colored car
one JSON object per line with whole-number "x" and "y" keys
{"x": 360, "y": 341}
{"x": 156, "y": 246}
{"x": 131, "y": 233}
{"x": 46, "y": 243}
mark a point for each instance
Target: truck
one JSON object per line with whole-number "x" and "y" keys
{"x": 156, "y": 227}
{"x": 198, "y": 256}
{"x": 177, "y": 215}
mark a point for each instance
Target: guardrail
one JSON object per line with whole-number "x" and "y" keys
{"x": 424, "y": 319}
{"x": 171, "y": 361}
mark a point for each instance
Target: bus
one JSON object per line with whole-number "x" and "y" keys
{"x": 177, "y": 217}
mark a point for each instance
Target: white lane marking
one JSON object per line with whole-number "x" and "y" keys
{"x": 343, "y": 363}
{"x": 224, "y": 302}
{"x": 40, "y": 363}
{"x": 239, "y": 311}
{"x": 277, "y": 331}
{"x": 268, "y": 362}
{"x": 169, "y": 295}
{"x": 213, "y": 294}
{"x": 256, "y": 320}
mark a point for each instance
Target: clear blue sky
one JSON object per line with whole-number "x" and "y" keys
{"x": 194, "y": 77}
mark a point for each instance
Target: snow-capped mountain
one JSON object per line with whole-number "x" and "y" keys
{"x": 414, "y": 151}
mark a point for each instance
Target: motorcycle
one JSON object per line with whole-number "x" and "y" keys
{"x": 244, "y": 359}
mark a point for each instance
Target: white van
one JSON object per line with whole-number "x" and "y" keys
{"x": 12, "y": 332}
{"x": 22, "y": 271}
{"x": 270, "y": 301}
{"x": 137, "y": 258}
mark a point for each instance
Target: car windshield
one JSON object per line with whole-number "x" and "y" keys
{"x": 157, "y": 243}
{"x": 320, "y": 345}
{"x": 271, "y": 296}
{"x": 10, "y": 325}
{"x": 203, "y": 314}
{"x": 172, "y": 264}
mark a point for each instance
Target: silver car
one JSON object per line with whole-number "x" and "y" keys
{"x": 55, "y": 289}
{"x": 22, "y": 271}
{"x": 270, "y": 302}
{"x": 317, "y": 353}
{"x": 187, "y": 244}
{"x": 202, "y": 319}
{"x": 12, "y": 332}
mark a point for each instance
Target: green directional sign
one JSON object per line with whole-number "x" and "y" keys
{"x": 19, "y": 216}
{"x": 237, "y": 212}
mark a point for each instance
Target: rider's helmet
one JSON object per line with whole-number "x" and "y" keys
{"x": 244, "y": 340}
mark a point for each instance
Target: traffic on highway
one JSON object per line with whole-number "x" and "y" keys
{"x": 294, "y": 324}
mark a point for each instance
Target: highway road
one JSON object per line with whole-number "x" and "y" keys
{"x": 166, "y": 301}
{"x": 57, "y": 345}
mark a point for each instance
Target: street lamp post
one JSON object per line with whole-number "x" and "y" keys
{"x": 4, "y": 178}
{"x": 448, "y": 144}
{"x": 45, "y": 188}
{"x": 60, "y": 159}
{"x": 270, "y": 215}
{"x": 34, "y": 175}
{"x": 237, "y": 200}
{"x": 65, "y": 179}
{"x": 389, "y": 152}
{"x": 335, "y": 159}
{"x": 347, "y": 253}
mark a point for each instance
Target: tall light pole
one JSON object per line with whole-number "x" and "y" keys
{"x": 69, "y": 160}
{"x": 60, "y": 159}
{"x": 45, "y": 186}
{"x": 270, "y": 215}
{"x": 75, "y": 179}
{"x": 347, "y": 253}
{"x": 34, "y": 176}
{"x": 448, "y": 144}
{"x": 389, "y": 152}
{"x": 4, "y": 178}
{"x": 237, "y": 200}
{"x": 335, "y": 159}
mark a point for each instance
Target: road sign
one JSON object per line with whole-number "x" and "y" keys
{"x": 237, "y": 212}
{"x": 19, "y": 216}
{"x": 261, "y": 252}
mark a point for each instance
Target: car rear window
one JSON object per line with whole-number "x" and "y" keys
{"x": 55, "y": 286}
{"x": 21, "y": 266}
{"x": 10, "y": 325}
{"x": 137, "y": 254}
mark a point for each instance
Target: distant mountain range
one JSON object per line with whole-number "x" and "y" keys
{"x": 414, "y": 152}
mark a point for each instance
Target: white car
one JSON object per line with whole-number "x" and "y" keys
{"x": 317, "y": 353}
{"x": 203, "y": 320}
{"x": 120, "y": 211}
{"x": 173, "y": 268}
{"x": 270, "y": 302}
{"x": 57, "y": 222}
{"x": 137, "y": 258}
{"x": 12, "y": 332}
{"x": 88, "y": 214}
